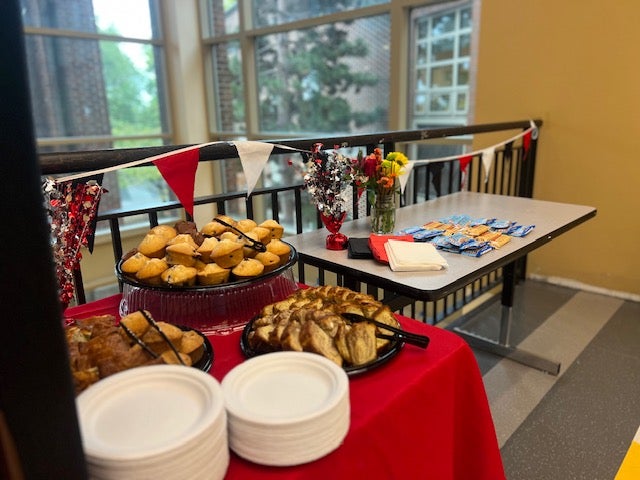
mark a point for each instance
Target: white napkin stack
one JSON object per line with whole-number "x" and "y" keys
{"x": 413, "y": 256}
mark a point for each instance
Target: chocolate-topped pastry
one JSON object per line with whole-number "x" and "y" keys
{"x": 186, "y": 226}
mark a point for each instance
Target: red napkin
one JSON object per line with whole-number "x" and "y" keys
{"x": 376, "y": 244}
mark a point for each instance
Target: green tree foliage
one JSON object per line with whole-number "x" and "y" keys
{"x": 131, "y": 91}
{"x": 306, "y": 78}
{"x": 133, "y": 109}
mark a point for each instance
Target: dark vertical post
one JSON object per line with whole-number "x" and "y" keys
{"x": 36, "y": 390}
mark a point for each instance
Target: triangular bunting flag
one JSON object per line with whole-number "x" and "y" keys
{"x": 179, "y": 171}
{"x": 464, "y": 162}
{"x": 487, "y": 161}
{"x": 404, "y": 178}
{"x": 253, "y": 156}
{"x": 526, "y": 143}
{"x": 464, "y": 165}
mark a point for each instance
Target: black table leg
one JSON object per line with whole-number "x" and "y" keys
{"x": 503, "y": 347}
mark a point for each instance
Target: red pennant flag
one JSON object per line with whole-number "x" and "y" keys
{"x": 464, "y": 162}
{"x": 179, "y": 171}
{"x": 526, "y": 143}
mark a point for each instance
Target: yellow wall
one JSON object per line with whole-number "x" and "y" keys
{"x": 575, "y": 65}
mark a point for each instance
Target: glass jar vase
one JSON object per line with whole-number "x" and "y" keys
{"x": 383, "y": 213}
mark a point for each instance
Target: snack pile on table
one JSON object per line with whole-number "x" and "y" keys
{"x": 467, "y": 235}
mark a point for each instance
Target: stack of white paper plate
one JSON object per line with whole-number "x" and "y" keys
{"x": 163, "y": 421}
{"x": 286, "y": 408}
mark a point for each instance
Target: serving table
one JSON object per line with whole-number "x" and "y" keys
{"x": 550, "y": 219}
{"x": 422, "y": 414}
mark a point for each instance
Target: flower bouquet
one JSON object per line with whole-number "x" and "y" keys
{"x": 329, "y": 175}
{"x": 380, "y": 178}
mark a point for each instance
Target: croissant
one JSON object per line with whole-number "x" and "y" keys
{"x": 311, "y": 320}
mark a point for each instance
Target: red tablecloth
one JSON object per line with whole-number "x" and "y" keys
{"x": 424, "y": 414}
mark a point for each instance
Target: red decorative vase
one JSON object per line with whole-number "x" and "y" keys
{"x": 335, "y": 240}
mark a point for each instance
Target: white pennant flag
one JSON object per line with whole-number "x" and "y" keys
{"x": 253, "y": 156}
{"x": 404, "y": 178}
{"x": 487, "y": 161}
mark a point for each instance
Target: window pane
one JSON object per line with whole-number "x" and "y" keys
{"x": 442, "y": 49}
{"x": 421, "y": 79}
{"x": 465, "y": 18}
{"x": 130, "y": 18}
{"x": 132, "y": 88}
{"x": 440, "y": 103}
{"x": 332, "y": 78}
{"x": 127, "y": 18}
{"x": 461, "y": 104}
{"x": 66, "y": 83}
{"x": 464, "y": 47}
{"x": 420, "y": 105}
{"x": 442, "y": 76}
{"x": 92, "y": 87}
{"x": 422, "y": 56}
{"x": 229, "y": 87}
{"x": 443, "y": 24}
{"x": 445, "y": 97}
{"x": 221, "y": 17}
{"x": 277, "y": 12}
{"x": 422, "y": 28}
{"x": 463, "y": 73}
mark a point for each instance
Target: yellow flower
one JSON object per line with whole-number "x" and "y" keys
{"x": 398, "y": 158}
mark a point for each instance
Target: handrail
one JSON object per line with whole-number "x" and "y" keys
{"x": 68, "y": 162}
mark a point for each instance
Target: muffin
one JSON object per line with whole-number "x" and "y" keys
{"x": 179, "y": 276}
{"x": 212, "y": 274}
{"x": 183, "y": 238}
{"x": 199, "y": 265}
{"x": 227, "y": 253}
{"x": 193, "y": 345}
{"x": 132, "y": 263}
{"x": 169, "y": 357}
{"x": 166, "y": 231}
{"x": 280, "y": 248}
{"x": 262, "y": 234}
{"x": 206, "y": 248}
{"x": 213, "y": 229}
{"x": 229, "y": 236}
{"x": 248, "y": 268}
{"x": 246, "y": 225}
{"x": 181, "y": 254}
{"x": 151, "y": 271}
{"x": 270, "y": 260}
{"x": 276, "y": 230}
{"x": 225, "y": 219}
{"x": 247, "y": 249}
{"x": 152, "y": 245}
{"x": 136, "y": 323}
{"x": 157, "y": 343}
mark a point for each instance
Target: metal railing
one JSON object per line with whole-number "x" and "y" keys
{"x": 512, "y": 174}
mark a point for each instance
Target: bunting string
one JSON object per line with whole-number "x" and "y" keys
{"x": 486, "y": 154}
{"x": 165, "y": 155}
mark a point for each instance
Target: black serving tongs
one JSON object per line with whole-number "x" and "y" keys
{"x": 156, "y": 327}
{"x": 416, "y": 339}
{"x": 255, "y": 244}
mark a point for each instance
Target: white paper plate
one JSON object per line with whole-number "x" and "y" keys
{"x": 284, "y": 388}
{"x": 148, "y": 411}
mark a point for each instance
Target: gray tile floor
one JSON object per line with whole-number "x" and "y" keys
{"x": 579, "y": 424}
